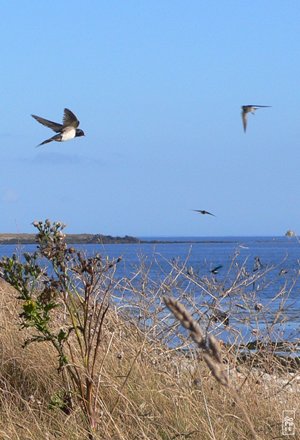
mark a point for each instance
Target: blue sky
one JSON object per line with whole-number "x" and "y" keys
{"x": 157, "y": 87}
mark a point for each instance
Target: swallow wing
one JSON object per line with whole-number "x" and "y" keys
{"x": 244, "y": 118}
{"x": 70, "y": 119}
{"x": 250, "y": 108}
{"x": 202, "y": 211}
{"x": 53, "y": 125}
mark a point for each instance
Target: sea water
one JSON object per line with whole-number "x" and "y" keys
{"x": 279, "y": 259}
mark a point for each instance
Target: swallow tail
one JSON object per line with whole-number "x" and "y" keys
{"x": 57, "y": 137}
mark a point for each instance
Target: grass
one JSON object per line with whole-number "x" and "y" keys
{"x": 138, "y": 357}
{"x": 147, "y": 390}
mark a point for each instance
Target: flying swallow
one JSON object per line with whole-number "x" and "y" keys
{"x": 283, "y": 271}
{"x": 258, "y": 307}
{"x": 66, "y": 131}
{"x": 216, "y": 269}
{"x": 249, "y": 109}
{"x": 202, "y": 211}
{"x": 219, "y": 315}
{"x": 257, "y": 264}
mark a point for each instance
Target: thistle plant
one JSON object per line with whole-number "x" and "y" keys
{"x": 64, "y": 297}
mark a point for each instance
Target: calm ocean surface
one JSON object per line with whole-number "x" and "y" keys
{"x": 279, "y": 254}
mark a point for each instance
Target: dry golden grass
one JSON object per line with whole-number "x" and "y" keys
{"x": 147, "y": 390}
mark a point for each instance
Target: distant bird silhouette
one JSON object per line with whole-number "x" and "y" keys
{"x": 202, "y": 211}
{"x": 190, "y": 271}
{"x": 258, "y": 307}
{"x": 66, "y": 131}
{"x": 257, "y": 264}
{"x": 283, "y": 271}
{"x": 219, "y": 315}
{"x": 250, "y": 109}
{"x": 216, "y": 269}
{"x": 240, "y": 306}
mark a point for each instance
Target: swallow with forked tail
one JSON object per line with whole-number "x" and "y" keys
{"x": 66, "y": 131}
{"x": 250, "y": 109}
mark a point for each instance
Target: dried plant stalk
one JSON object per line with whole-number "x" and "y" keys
{"x": 210, "y": 345}
{"x": 211, "y": 352}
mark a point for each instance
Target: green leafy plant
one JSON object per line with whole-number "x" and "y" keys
{"x": 65, "y": 297}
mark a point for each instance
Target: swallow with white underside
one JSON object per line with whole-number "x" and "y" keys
{"x": 250, "y": 108}
{"x": 66, "y": 131}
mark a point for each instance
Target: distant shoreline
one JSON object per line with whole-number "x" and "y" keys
{"x": 15, "y": 239}
{"x": 26, "y": 238}
{"x": 70, "y": 238}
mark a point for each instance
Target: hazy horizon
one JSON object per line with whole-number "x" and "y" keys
{"x": 145, "y": 237}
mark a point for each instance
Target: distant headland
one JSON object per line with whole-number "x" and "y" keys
{"x": 70, "y": 238}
